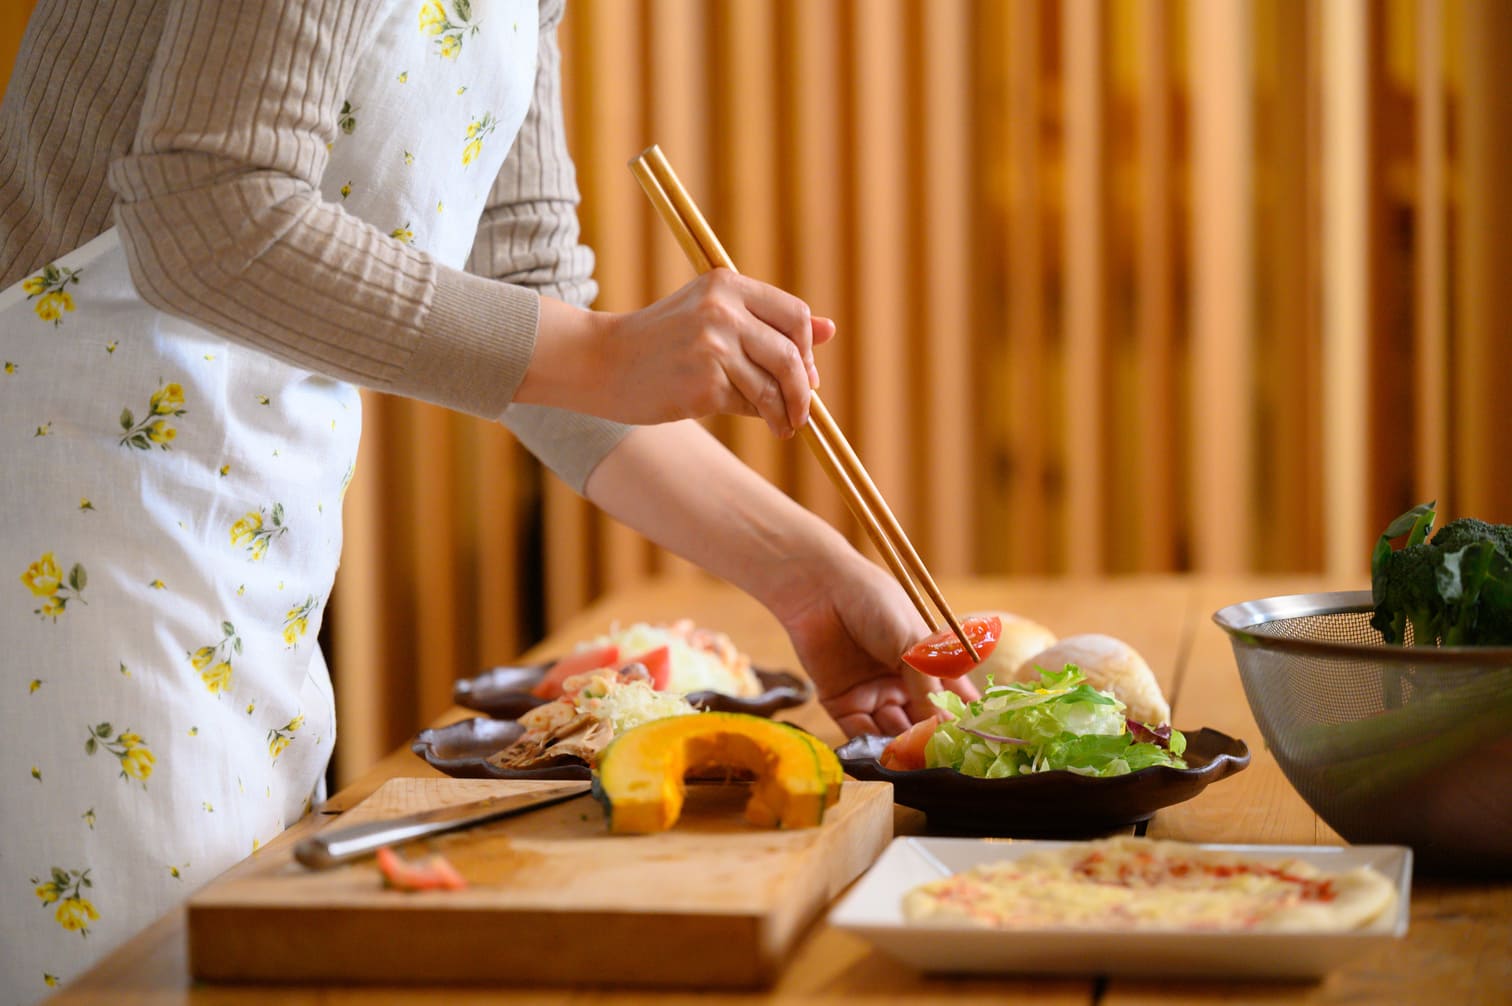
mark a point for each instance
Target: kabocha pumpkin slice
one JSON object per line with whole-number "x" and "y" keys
{"x": 829, "y": 764}
{"x": 639, "y": 777}
{"x": 830, "y": 771}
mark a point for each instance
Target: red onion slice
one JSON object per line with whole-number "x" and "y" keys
{"x": 992, "y": 737}
{"x": 1160, "y": 735}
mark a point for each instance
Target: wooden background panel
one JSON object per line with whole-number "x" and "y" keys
{"x": 883, "y": 423}
{"x": 1431, "y": 345}
{"x": 1084, "y": 372}
{"x": 941, "y": 310}
{"x": 1344, "y": 365}
{"x": 1481, "y": 409}
{"x": 1221, "y": 299}
{"x": 1154, "y": 506}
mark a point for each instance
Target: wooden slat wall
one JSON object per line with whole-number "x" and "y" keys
{"x": 1345, "y": 365}
{"x": 1084, "y": 376}
{"x": 884, "y": 418}
{"x": 1432, "y": 252}
{"x": 1481, "y": 410}
{"x": 1222, "y": 431}
{"x": 1288, "y": 404}
{"x": 940, "y": 229}
{"x": 1155, "y": 474}
{"x": 1110, "y": 277}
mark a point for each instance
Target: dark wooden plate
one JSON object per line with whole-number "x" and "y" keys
{"x": 462, "y": 750}
{"x": 1048, "y": 804}
{"x": 504, "y": 692}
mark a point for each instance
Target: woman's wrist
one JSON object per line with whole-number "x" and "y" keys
{"x": 569, "y": 359}
{"x": 807, "y": 560}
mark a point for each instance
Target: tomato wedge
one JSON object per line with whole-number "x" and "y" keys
{"x": 550, "y": 687}
{"x": 942, "y": 655}
{"x": 905, "y": 752}
{"x": 658, "y": 663}
{"x": 433, "y": 874}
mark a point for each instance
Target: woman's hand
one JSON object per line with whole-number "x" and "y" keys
{"x": 724, "y": 343}
{"x": 850, "y": 626}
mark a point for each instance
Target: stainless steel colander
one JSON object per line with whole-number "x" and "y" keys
{"x": 1398, "y": 744}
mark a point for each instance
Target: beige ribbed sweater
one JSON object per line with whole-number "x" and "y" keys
{"x": 200, "y": 129}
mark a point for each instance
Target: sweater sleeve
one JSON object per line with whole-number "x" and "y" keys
{"x": 528, "y": 235}
{"x": 222, "y": 220}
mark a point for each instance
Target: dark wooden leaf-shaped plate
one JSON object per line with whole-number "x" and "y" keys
{"x": 462, "y": 750}
{"x": 504, "y": 692}
{"x": 1048, "y": 804}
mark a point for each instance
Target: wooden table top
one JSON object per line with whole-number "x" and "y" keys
{"x": 1458, "y": 950}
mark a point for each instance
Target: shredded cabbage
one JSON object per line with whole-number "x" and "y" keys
{"x": 1058, "y": 722}
{"x": 628, "y": 704}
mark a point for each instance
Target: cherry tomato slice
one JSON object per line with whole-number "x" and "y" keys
{"x": 658, "y": 663}
{"x": 942, "y": 655}
{"x": 905, "y": 752}
{"x": 550, "y": 687}
{"x": 433, "y": 874}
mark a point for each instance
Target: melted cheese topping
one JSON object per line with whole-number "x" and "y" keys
{"x": 1130, "y": 883}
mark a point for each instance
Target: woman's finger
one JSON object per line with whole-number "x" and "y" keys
{"x": 779, "y": 358}
{"x": 824, "y": 331}
{"x": 892, "y": 720}
{"x": 856, "y": 724}
{"x": 919, "y": 686}
{"x": 964, "y": 687}
{"x": 760, "y": 392}
{"x": 787, "y": 314}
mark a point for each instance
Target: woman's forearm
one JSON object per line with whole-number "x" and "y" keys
{"x": 677, "y": 485}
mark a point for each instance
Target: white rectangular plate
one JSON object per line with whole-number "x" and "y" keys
{"x": 873, "y": 909}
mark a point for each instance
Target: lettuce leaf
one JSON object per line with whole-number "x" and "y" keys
{"x": 1057, "y": 723}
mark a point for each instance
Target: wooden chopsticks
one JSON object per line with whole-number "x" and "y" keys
{"x": 821, "y": 433}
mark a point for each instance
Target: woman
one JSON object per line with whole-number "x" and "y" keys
{"x": 215, "y": 220}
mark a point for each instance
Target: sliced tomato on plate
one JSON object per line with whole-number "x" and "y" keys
{"x": 550, "y": 687}
{"x": 905, "y": 752}
{"x": 433, "y": 874}
{"x": 943, "y": 656}
{"x": 658, "y": 663}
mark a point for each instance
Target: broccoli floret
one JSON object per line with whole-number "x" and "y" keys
{"x": 1495, "y": 627}
{"x": 1406, "y": 591}
{"x": 1455, "y": 589}
{"x": 1458, "y": 534}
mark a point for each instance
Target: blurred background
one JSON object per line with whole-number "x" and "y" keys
{"x": 1122, "y": 286}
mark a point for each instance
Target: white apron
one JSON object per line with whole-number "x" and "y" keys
{"x": 171, "y": 514}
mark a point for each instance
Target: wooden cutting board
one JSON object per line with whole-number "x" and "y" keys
{"x": 553, "y": 897}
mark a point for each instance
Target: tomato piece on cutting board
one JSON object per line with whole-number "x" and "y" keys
{"x": 943, "y": 656}
{"x": 550, "y": 687}
{"x": 905, "y": 752}
{"x": 433, "y": 874}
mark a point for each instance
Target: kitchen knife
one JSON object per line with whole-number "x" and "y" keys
{"x": 338, "y": 845}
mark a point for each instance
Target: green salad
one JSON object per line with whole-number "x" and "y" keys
{"x": 1058, "y": 722}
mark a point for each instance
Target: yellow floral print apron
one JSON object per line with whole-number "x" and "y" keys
{"x": 171, "y": 509}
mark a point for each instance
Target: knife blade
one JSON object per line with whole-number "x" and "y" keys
{"x": 338, "y": 845}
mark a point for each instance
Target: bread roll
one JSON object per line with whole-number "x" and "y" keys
{"x": 1111, "y": 665}
{"x": 1021, "y": 639}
